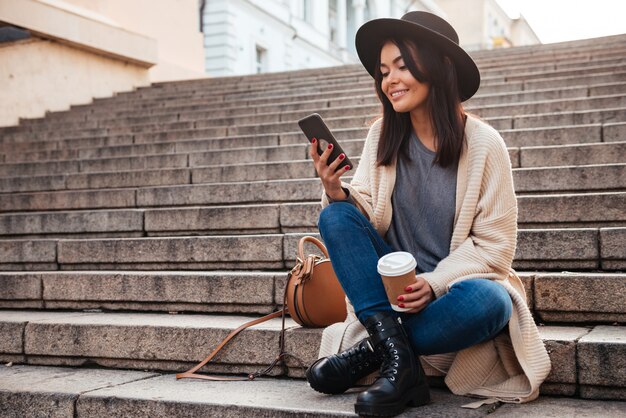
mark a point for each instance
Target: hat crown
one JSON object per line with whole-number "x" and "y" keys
{"x": 432, "y": 22}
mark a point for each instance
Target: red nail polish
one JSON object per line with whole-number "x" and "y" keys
{"x": 313, "y": 141}
{"x": 330, "y": 146}
{"x": 401, "y": 305}
{"x": 400, "y": 298}
{"x": 347, "y": 167}
{"x": 407, "y": 289}
{"x": 342, "y": 156}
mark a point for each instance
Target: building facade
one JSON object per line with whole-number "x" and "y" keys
{"x": 256, "y": 36}
{"x": 483, "y": 24}
{"x": 56, "y": 53}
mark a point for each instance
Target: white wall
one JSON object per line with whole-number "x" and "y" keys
{"x": 233, "y": 28}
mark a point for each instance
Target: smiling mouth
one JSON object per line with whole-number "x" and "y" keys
{"x": 398, "y": 93}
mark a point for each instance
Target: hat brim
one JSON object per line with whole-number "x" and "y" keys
{"x": 372, "y": 34}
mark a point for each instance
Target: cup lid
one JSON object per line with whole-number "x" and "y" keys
{"x": 396, "y": 263}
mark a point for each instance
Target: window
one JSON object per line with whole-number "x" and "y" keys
{"x": 261, "y": 59}
{"x": 306, "y": 12}
{"x": 332, "y": 20}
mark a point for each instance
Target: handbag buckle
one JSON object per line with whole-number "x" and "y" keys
{"x": 304, "y": 268}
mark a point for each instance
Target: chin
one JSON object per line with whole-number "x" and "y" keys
{"x": 400, "y": 109}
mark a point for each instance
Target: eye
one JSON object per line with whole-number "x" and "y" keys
{"x": 385, "y": 74}
{"x": 403, "y": 67}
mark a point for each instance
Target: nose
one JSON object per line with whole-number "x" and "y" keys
{"x": 392, "y": 77}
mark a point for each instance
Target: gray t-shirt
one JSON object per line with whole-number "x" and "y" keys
{"x": 423, "y": 201}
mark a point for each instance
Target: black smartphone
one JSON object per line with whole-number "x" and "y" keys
{"x": 314, "y": 127}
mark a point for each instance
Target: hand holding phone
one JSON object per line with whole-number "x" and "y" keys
{"x": 329, "y": 159}
{"x": 314, "y": 127}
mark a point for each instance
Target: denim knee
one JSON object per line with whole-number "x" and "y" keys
{"x": 495, "y": 298}
{"x": 337, "y": 215}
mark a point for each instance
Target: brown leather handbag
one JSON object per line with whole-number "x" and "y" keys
{"x": 313, "y": 297}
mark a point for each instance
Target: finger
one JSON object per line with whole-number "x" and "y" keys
{"x": 333, "y": 165}
{"x": 326, "y": 154}
{"x": 419, "y": 303}
{"x": 412, "y": 297}
{"x": 337, "y": 174}
{"x": 313, "y": 150}
{"x": 341, "y": 172}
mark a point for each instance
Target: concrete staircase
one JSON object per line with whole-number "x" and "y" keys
{"x": 137, "y": 231}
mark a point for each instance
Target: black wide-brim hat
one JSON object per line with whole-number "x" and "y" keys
{"x": 421, "y": 27}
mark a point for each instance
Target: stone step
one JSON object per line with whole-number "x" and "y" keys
{"x": 287, "y": 96}
{"x": 596, "y": 177}
{"x": 581, "y": 210}
{"x": 267, "y": 107}
{"x": 563, "y": 118}
{"x": 82, "y": 392}
{"x": 287, "y": 163}
{"x": 566, "y": 81}
{"x": 223, "y": 87}
{"x": 587, "y": 360}
{"x": 230, "y": 93}
{"x": 488, "y": 77}
{"x": 73, "y": 149}
{"x": 176, "y": 142}
{"x": 537, "y": 249}
{"x": 172, "y": 142}
{"x": 535, "y": 211}
{"x": 164, "y": 291}
{"x": 583, "y": 154}
{"x": 245, "y": 106}
{"x": 602, "y": 177}
{"x": 552, "y": 297}
{"x": 355, "y": 105}
{"x": 142, "y": 109}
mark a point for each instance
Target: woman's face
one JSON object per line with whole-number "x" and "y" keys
{"x": 405, "y": 93}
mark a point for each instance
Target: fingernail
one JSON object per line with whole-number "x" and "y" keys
{"x": 347, "y": 167}
{"x": 400, "y": 298}
{"x": 408, "y": 289}
{"x": 330, "y": 146}
{"x": 342, "y": 156}
{"x": 313, "y": 140}
{"x": 401, "y": 305}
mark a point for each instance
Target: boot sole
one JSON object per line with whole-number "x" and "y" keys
{"x": 416, "y": 396}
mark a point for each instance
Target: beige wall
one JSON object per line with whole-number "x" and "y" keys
{"x": 40, "y": 75}
{"x": 174, "y": 24}
{"x": 467, "y": 18}
{"x": 82, "y": 49}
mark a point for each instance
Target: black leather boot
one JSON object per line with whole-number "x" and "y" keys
{"x": 337, "y": 373}
{"x": 402, "y": 382}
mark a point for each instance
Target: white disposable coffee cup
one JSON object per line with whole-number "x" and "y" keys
{"x": 397, "y": 271}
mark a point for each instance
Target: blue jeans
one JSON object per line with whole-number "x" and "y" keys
{"x": 472, "y": 311}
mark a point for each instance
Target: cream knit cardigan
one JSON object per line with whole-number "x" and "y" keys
{"x": 512, "y": 366}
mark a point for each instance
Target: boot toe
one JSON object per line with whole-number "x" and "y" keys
{"x": 325, "y": 378}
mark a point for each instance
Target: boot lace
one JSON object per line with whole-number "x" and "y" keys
{"x": 358, "y": 357}
{"x": 390, "y": 364}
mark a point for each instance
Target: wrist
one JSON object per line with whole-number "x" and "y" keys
{"x": 335, "y": 195}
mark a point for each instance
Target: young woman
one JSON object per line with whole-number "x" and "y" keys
{"x": 436, "y": 182}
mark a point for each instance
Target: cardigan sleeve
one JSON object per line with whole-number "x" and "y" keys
{"x": 489, "y": 247}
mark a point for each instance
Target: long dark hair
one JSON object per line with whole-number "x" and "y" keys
{"x": 443, "y": 103}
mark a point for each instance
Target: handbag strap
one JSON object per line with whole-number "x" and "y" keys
{"x": 313, "y": 240}
{"x": 191, "y": 373}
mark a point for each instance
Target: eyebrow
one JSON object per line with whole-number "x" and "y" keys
{"x": 396, "y": 59}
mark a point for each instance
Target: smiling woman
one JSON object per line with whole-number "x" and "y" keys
{"x": 435, "y": 182}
